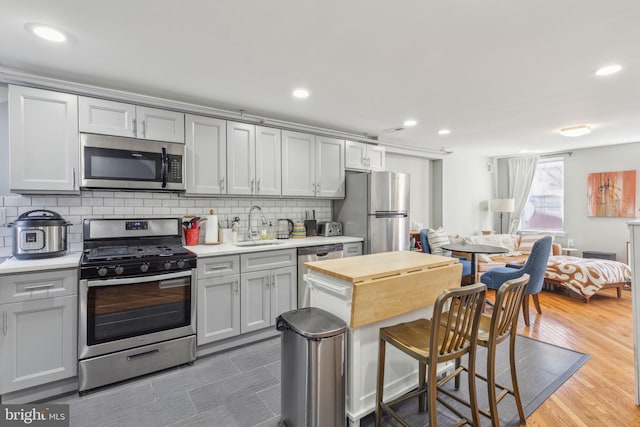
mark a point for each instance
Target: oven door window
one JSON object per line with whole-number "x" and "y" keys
{"x": 121, "y": 311}
{"x": 122, "y": 165}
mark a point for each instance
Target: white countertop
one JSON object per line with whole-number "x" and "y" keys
{"x": 13, "y": 265}
{"x": 230, "y": 248}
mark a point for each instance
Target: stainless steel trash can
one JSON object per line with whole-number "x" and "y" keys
{"x": 312, "y": 363}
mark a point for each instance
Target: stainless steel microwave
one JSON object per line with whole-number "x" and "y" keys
{"x": 127, "y": 163}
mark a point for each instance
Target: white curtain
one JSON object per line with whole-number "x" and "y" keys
{"x": 520, "y": 175}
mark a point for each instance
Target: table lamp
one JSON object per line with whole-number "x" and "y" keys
{"x": 502, "y": 206}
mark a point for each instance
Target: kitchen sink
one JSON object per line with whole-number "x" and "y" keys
{"x": 257, "y": 243}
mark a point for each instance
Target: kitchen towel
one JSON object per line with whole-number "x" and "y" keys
{"x": 211, "y": 230}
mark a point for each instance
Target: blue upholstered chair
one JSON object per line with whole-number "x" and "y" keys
{"x": 535, "y": 267}
{"x": 466, "y": 264}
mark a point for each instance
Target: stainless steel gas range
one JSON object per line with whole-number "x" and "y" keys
{"x": 137, "y": 300}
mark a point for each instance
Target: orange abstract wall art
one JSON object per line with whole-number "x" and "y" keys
{"x": 612, "y": 194}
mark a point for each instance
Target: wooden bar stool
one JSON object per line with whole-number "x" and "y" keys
{"x": 443, "y": 338}
{"x": 493, "y": 330}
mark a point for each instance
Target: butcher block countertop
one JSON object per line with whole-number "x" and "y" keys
{"x": 376, "y": 266}
{"x": 389, "y": 284}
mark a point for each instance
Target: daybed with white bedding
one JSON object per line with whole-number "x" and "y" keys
{"x": 584, "y": 276}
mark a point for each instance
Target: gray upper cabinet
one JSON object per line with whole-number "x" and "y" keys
{"x": 122, "y": 119}
{"x": 107, "y": 117}
{"x": 330, "y": 167}
{"x": 362, "y": 156}
{"x": 268, "y": 161}
{"x": 43, "y": 141}
{"x": 312, "y": 166}
{"x": 298, "y": 164}
{"x": 253, "y": 157}
{"x": 241, "y": 158}
{"x": 206, "y": 146}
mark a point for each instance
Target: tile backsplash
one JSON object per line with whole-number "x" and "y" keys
{"x": 125, "y": 204}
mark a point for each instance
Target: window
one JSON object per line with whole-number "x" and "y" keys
{"x": 545, "y": 206}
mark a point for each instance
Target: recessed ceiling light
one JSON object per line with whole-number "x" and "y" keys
{"x": 608, "y": 70}
{"x": 575, "y": 131}
{"x": 409, "y": 123}
{"x": 47, "y": 33}
{"x": 300, "y": 93}
{"x": 444, "y": 132}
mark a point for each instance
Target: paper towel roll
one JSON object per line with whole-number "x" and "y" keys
{"x": 211, "y": 230}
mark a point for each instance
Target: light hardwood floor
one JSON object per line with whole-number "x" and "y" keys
{"x": 602, "y": 392}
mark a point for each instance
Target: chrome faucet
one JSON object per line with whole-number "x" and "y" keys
{"x": 254, "y": 234}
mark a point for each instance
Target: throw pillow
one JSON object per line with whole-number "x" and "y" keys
{"x": 527, "y": 241}
{"x": 437, "y": 238}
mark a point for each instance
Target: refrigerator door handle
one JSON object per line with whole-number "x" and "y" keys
{"x": 390, "y": 214}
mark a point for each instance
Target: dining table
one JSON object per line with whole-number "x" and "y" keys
{"x": 474, "y": 250}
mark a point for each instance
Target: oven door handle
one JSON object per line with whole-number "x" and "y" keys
{"x": 142, "y": 279}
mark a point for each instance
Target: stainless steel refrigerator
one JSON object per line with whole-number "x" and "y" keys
{"x": 376, "y": 207}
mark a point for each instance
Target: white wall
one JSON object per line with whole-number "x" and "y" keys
{"x": 596, "y": 233}
{"x": 419, "y": 168}
{"x": 467, "y": 187}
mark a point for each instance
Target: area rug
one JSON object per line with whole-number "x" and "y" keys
{"x": 542, "y": 368}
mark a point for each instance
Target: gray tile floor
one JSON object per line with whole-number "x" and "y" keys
{"x": 240, "y": 387}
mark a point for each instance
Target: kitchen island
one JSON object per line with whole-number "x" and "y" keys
{"x": 373, "y": 291}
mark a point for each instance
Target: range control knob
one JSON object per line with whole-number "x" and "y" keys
{"x": 180, "y": 264}
{"x": 144, "y": 268}
{"x": 167, "y": 265}
{"x": 102, "y": 271}
{"x": 119, "y": 269}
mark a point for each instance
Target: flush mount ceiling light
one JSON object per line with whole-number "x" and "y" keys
{"x": 409, "y": 123}
{"x": 608, "y": 70}
{"x": 444, "y": 132}
{"x": 46, "y": 32}
{"x": 575, "y": 131}
{"x": 300, "y": 93}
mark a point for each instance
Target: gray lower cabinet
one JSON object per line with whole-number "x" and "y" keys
{"x": 268, "y": 287}
{"x": 218, "y": 315}
{"x": 244, "y": 293}
{"x": 38, "y": 342}
{"x": 265, "y": 295}
{"x": 218, "y": 308}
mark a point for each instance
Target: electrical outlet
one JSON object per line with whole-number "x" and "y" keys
{"x": 3, "y": 217}
{"x": 570, "y": 243}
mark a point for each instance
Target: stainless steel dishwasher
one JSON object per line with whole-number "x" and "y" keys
{"x": 308, "y": 254}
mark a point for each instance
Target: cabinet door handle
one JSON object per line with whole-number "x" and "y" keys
{"x": 73, "y": 170}
{"x": 268, "y": 280}
{"x": 134, "y": 126}
{"x": 252, "y": 181}
{"x": 144, "y": 129}
{"x": 257, "y": 186}
{"x": 235, "y": 286}
{"x": 221, "y": 184}
{"x": 273, "y": 280}
{"x": 4, "y": 323}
